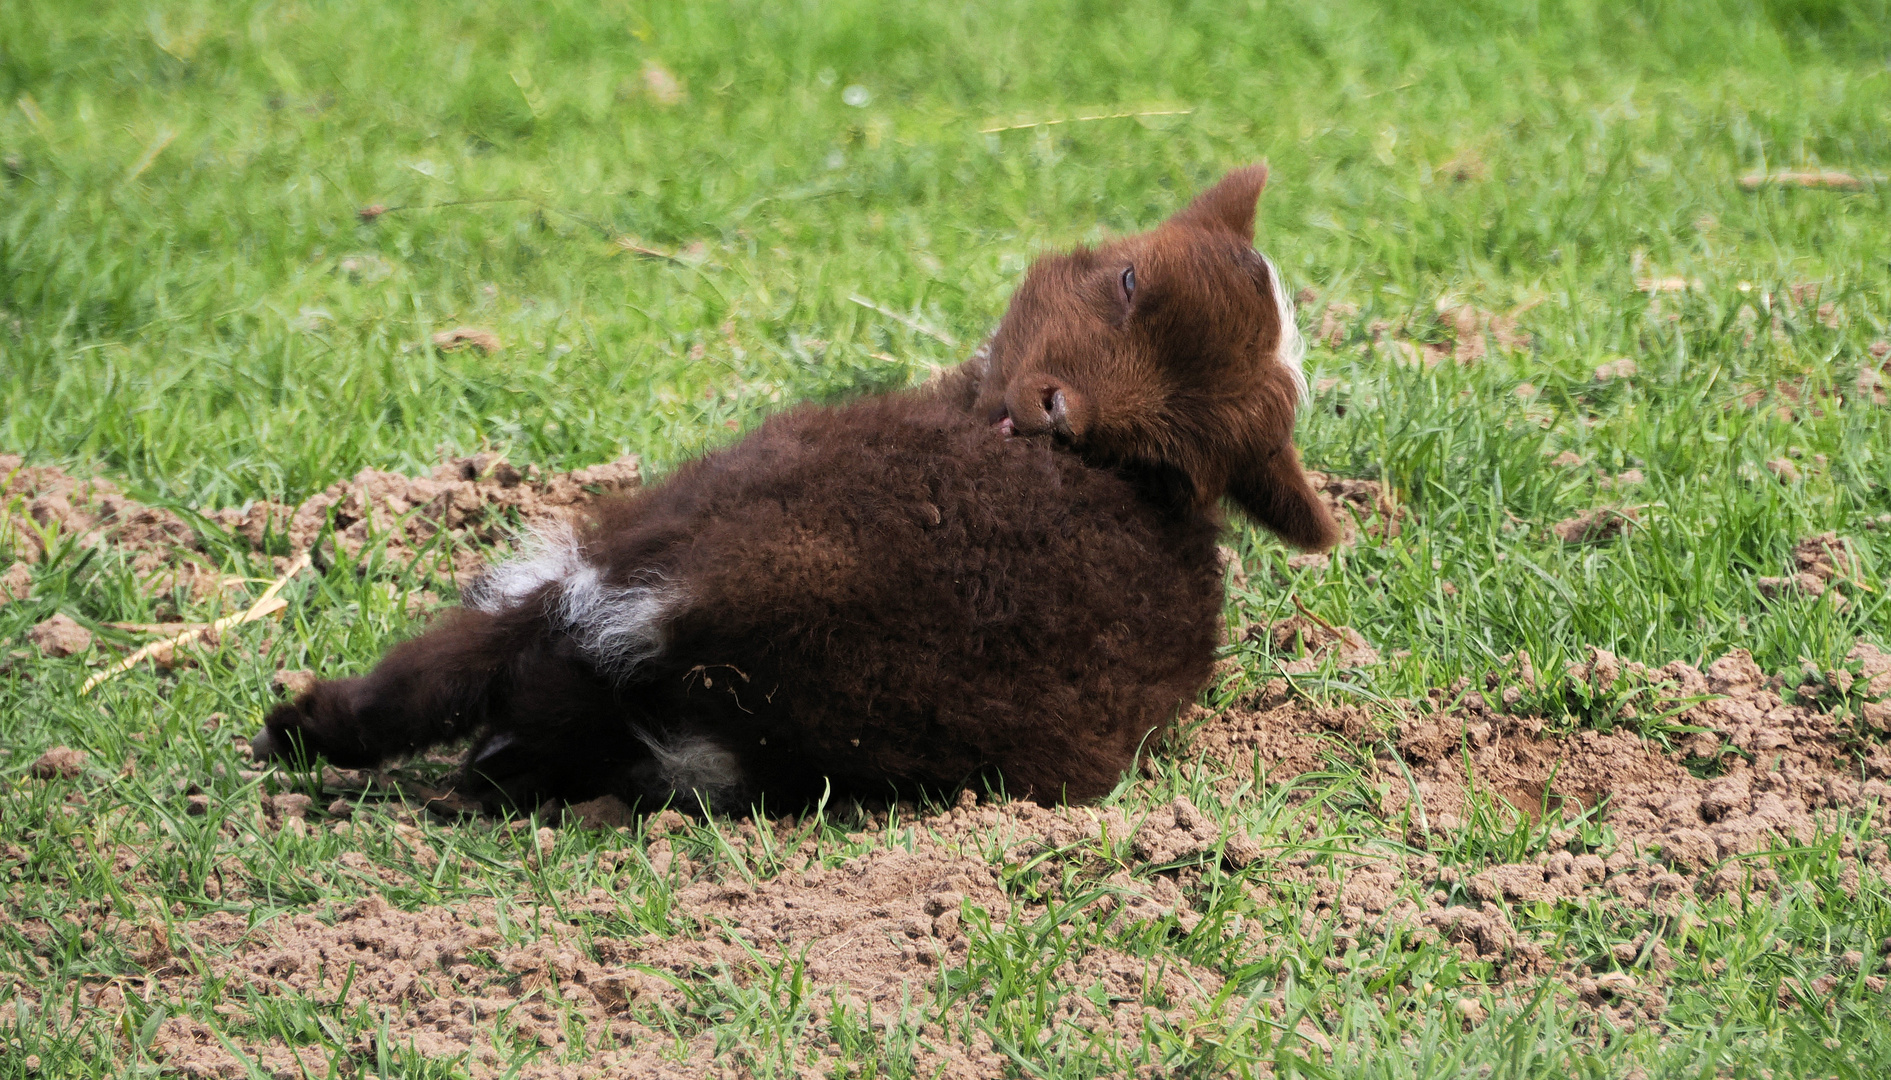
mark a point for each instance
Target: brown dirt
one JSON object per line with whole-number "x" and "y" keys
{"x": 1474, "y": 331}
{"x": 59, "y": 763}
{"x": 461, "y": 336}
{"x": 1359, "y": 506}
{"x": 1459, "y": 332}
{"x": 1336, "y": 324}
{"x": 60, "y": 636}
{"x": 16, "y": 583}
{"x": 476, "y": 498}
{"x": 1819, "y": 563}
{"x": 873, "y": 934}
{"x": 1789, "y": 771}
{"x": 165, "y": 549}
{"x": 1465, "y": 333}
{"x": 1310, "y": 639}
{"x": 1598, "y": 524}
{"x": 1786, "y": 769}
{"x": 877, "y": 930}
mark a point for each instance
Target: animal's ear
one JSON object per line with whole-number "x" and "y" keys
{"x": 961, "y": 385}
{"x": 1229, "y": 204}
{"x": 1275, "y": 492}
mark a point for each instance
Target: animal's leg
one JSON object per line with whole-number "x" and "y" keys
{"x": 429, "y": 690}
{"x": 563, "y": 732}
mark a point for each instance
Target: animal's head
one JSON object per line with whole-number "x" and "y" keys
{"x": 1175, "y": 349}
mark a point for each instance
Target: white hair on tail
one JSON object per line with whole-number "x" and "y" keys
{"x": 618, "y": 626}
{"x": 1293, "y": 348}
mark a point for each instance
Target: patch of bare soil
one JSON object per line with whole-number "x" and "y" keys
{"x": 1309, "y": 639}
{"x": 1462, "y": 333}
{"x": 1457, "y": 331}
{"x": 479, "y": 498}
{"x": 872, "y": 934}
{"x": 1819, "y": 564}
{"x": 877, "y": 931}
{"x": 60, "y": 635}
{"x": 1601, "y": 523}
{"x": 39, "y": 504}
{"x": 1359, "y": 506}
{"x": 1786, "y": 772}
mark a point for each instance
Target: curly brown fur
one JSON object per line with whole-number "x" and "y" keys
{"x": 1011, "y": 574}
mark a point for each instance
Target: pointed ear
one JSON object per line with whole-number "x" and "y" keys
{"x": 1275, "y": 492}
{"x": 1229, "y": 204}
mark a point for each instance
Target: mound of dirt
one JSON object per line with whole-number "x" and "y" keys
{"x": 1359, "y": 506}
{"x": 1819, "y": 563}
{"x": 1310, "y": 638}
{"x": 40, "y": 504}
{"x": 60, "y": 635}
{"x": 872, "y": 933}
{"x": 1598, "y": 524}
{"x": 1459, "y": 332}
{"x": 1785, "y": 771}
{"x": 875, "y": 933}
{"x": 1771, "y": 766}
{"x": 479, "y": 498}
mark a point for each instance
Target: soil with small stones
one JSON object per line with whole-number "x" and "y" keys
{"x": 481, "y": 499}
{"x": 1785, "y": 771}
{"x": 872, "y": 935}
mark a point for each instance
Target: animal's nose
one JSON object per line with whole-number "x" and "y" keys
{"x": 1041, "y": 404}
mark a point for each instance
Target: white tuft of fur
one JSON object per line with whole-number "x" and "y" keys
{"x": 696, "y": 763}
{"x": 1293, "y": 347}
{"x": 618, "y": 626}
{"x": 550, "y": 553}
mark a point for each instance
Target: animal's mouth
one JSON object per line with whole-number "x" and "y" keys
{"x": 1005, "y": 427}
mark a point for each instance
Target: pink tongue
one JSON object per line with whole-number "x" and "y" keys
{"x": 1004, "y": 426}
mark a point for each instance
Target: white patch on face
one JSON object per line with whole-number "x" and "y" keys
{"x": 1293, "y": 347}
{"x": 618, "y": 626}
{"x": 698, "y": 764}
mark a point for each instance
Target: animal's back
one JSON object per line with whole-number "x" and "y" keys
{"x": 891, "y": 589}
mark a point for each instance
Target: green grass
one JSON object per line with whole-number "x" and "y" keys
{"x": 190, "y": 303}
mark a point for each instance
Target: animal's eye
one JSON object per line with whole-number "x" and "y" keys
{"x": 1129, "y": 283}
